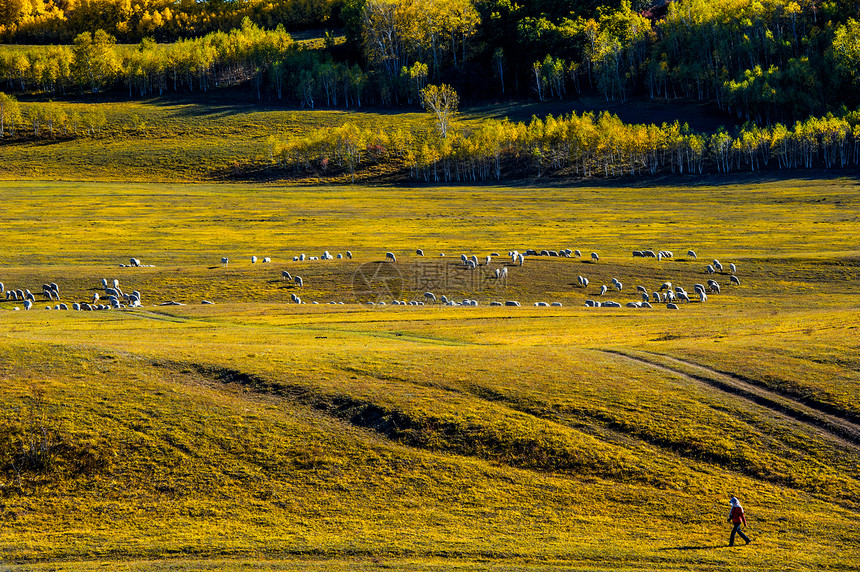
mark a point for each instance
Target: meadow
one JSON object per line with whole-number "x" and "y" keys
{"x": 259, "y": 434}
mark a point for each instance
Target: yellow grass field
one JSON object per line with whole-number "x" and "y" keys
{"x": 256, "y": 433}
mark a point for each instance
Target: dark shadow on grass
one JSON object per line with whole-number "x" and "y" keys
{"x": 699, "y": 547}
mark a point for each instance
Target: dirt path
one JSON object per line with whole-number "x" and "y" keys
{"x": 841, "y": 430}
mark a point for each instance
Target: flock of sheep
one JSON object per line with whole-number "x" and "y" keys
{"x": 114, "y": 298}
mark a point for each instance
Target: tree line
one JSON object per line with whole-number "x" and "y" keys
{"x": 767, "y": 61}
{"x": 587, "y": 145}
{"x": 59, "y": 21}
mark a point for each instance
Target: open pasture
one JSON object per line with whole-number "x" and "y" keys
{"x": 256, "y": 433}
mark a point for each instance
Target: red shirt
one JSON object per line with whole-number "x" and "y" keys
{"x": 737, "y": 515}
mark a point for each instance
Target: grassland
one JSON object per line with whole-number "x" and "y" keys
{"x": 255, "y": 434}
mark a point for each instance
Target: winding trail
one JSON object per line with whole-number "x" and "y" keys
{"x": 835, "y": 427}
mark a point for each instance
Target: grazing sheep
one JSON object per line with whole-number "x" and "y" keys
{"x": 115, "y": 283}
{"x": 714, "y": 286}
{"x": 302, "y": 257}
{"x": 134, "y": 262}
{"x": 735, "y": 280}
{"x": 672, "y": 306}
{"x": 444, "y": 299}
{"x": 556, "y": 304}
{"x": 419, "y": 252}
{"x": 611, "y": 304}
{"x": 471, "y": 265}
{"x": 642, "y": 289}
{"x": 286, "y": 276}
{"x": 649, "y": 254}
{"x": 390, "y": 256}
{"x": 253, "y": 260}
{"x": 595, "y": 257}
{"x": 28, "y": 304}
{"x": 62, "y": 307}
{"x": 349, "y": 254}
{"x": 665, "y": 286}
{"x": 646, "y": 304}
{"x": 267, "y": 259}
{"x": 603, "y": 290}
{"x": 512, "y": 303}
{"x": 541, "y": 304}
{"x": 496, "y": 303}
{"x": 224, "y": 261}
{"x": 504, "y": 273}
{"x": 709, "y": 269}
{"x": 633, "y": 305}
{"x": 497, "y": 273}
{"x": 104, "y": 283}
{"x": 299, "y": 282}
{"x": 683, "y": 296}
{"x": 487, "y": 260}
{"x": 659, "y": 256}
{"x": 430, "y": 296}
{"x": 638, "y": 254}
{"x": 339, "y": 256}
{"x": 733, "y": 268}
{"x": 656, "y": 296}
{"x": 702, "y": 296}
{"x": 583, "y": 281}
{"x": 645, "y": 296}
{"x": 691, "y": 254}
{"x": 619, "y": 286}
{"x": 718, "y": 266}
{"x": 520, "y": 259}
{"x": 2, "y": 288}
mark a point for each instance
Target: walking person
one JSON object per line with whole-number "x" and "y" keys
{"x": 736, "y": 517}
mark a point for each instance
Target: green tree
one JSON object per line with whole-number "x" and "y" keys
{"x": 10, "y": 114}
{"x": 95, "y": 61}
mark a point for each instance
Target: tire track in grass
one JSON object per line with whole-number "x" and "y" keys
{"x": 837, "y": 428}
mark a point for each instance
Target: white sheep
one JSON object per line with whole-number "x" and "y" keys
{"x": 390, "y": 256}
{"x": 286, "y": 276}
{"x": 733, "y": 268}
{"x": 735, "y": 280}
{"x": 691, "y": 254}
{"x": 253, "y": 260}
{"x": 419, "y": 252}
{"x": 595, "y": 257}
{"x": 299, "y": 282}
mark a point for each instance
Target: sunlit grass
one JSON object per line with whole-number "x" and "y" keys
{"x": 258, "y": 434}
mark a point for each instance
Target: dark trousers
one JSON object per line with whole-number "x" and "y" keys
{"x": 737, "y": 530}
